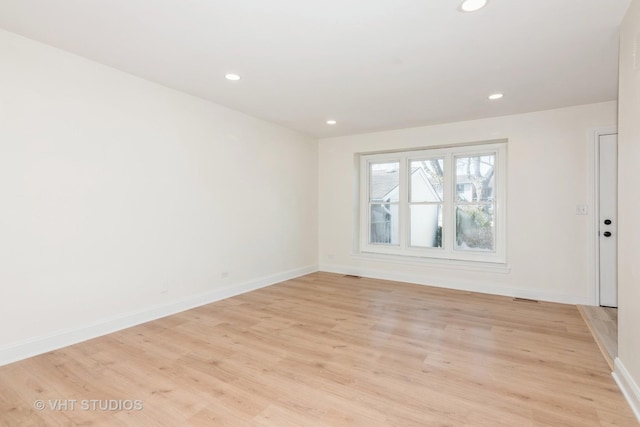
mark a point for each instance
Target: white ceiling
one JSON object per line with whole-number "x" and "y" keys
{"x": 370, "y": 64}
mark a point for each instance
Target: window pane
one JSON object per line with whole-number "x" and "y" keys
{"x": 427, "y": 180}
{"x": 384, "y": 179}
{"x": 475, "y": 227}
{"x": 384, "y": 224}
{"x": 426, "y": 226}
{"x": 474, "y": 178}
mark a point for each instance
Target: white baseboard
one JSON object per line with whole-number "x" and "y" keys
{"x": 628, "y": 386}
{"x": 475, "y": 286}
{"x": 43, "y": 344}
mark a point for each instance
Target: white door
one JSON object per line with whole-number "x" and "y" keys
{"x": 608, "y": 223}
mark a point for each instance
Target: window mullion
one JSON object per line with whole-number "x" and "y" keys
{"x": 365, "y": 185}
{"x": 448, "y": 219}
{"x": 404, "y": 203}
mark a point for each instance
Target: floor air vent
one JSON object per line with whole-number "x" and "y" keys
{"x": 351, "y": 276}
{"x": 535, "y": 301}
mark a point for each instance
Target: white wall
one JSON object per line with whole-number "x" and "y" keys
{"x": 119, "y": 196}
{"x": 628, "y": 363}
{"x": 548, "y": 244}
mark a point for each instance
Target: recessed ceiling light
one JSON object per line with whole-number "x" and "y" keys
{"x": 472, "y": 5}
{"x": 331, "y": 122}
{"x": 495, "y": 96}
{"x": 233, "y": 77}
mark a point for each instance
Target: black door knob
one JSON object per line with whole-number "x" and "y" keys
{"x": 607, "y": 234}
{"x": 607, "y": 221}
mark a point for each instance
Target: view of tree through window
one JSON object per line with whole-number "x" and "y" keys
{"x": 475, "y": 202}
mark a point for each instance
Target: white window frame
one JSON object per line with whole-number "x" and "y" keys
{"x": 448, "y": 251}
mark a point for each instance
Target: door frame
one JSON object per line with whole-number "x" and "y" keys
{"x": 594, "y": 239}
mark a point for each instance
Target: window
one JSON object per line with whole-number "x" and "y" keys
{"x": 446, "y": 203}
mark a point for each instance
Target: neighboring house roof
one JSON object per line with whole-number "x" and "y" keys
{"x": 382, "y": 183}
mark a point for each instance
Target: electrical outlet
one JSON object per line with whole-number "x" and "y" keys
{"x": 581, "y": 210}
{"x": 224, "y": 274}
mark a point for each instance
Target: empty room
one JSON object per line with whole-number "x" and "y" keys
{"x": 338, "y": 213}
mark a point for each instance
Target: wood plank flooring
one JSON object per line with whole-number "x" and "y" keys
{"x": 603, "y": 324}
{"x": 326, "y": 350}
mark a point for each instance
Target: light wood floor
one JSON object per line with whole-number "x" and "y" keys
{"x": 603, "y": 324}
{"x": 324, "y": 350}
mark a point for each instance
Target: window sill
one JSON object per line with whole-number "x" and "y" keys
{"x": 487, "y": 267}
